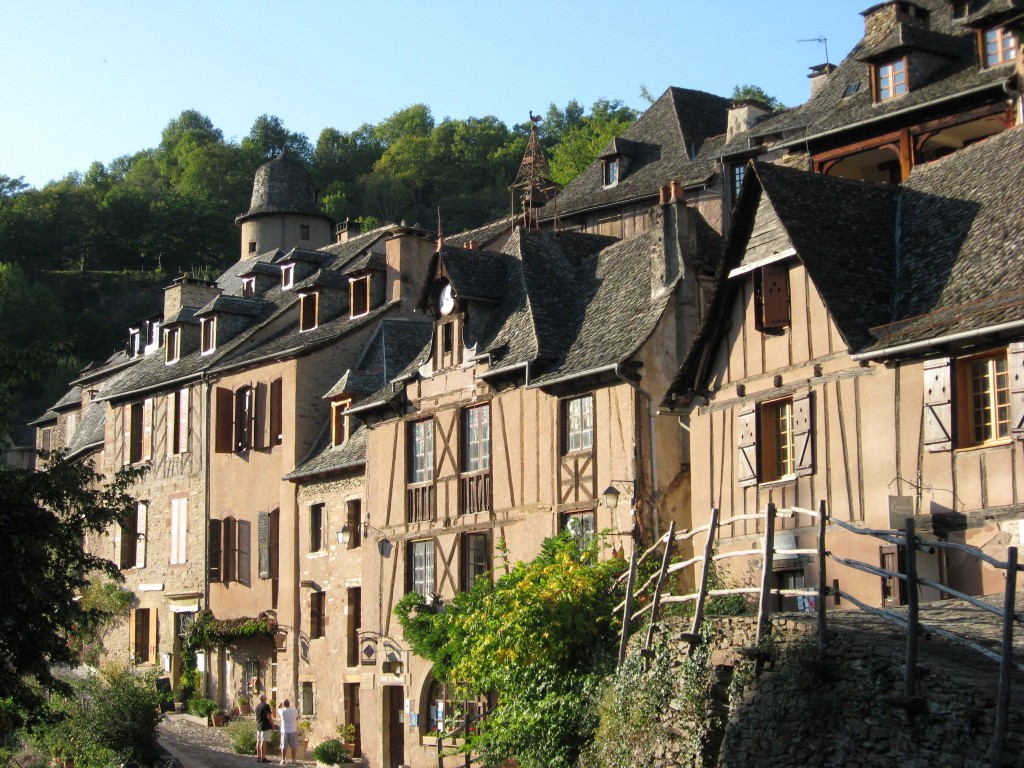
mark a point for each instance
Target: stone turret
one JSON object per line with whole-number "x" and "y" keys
{"x": 283, "y": 213}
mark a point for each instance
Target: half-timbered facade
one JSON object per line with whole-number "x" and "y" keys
{"x": 864, "y": 348}
{"x": 532, "y": 398}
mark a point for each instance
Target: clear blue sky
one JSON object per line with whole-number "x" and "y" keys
{"x": 83, "y": 81}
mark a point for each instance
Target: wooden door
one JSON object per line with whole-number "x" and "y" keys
{"x": 894, "y": 591}
{"x": 394, "y": 724}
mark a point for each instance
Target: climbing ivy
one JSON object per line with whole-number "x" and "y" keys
{"x": 207, "y": 632}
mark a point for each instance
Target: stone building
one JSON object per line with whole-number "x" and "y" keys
{"x": 865, "y": 347}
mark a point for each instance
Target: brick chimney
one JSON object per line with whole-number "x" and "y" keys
{"x": 881, "y": 19}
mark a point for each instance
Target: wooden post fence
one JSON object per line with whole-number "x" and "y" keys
{"x": 910, "y": 677}
{"x": 764, "y": 609}
{"x": 702, "y": 593}
{"x": 1006, "y": 663}
{"x": 822, "y": 580}
{"x": 656, "y": 600}
{"x": 627, "y": 611}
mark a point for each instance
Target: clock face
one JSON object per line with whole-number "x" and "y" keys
{"x": 446, "y": 302}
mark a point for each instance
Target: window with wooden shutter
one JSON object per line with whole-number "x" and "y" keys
{"x": 245, "y": 553}
{"x": 243, "y": 418}
{"x": 214, "y": 547}
{"x": 126, "y": 540}
{"x": 746, "y": 460}
{"x": 225, "y": 415}
{"x": 131, "y": 635}
{"x": 260, "y": 432}
{"x": 938, "y": 405}
{"x": 803, "y": 434}
{"x": 317, "y": 520}
{"x": 308, "y": 311}
{"x": 142, "y": 635}
{"x": 229, "y": 556}
{"x": 1017, "y": 390}
{"x": 775, "y": 452}
{"x": 184, "y": 409}
{"x": 317, "y": 614}
{"x": 276, "y": 416}
{"x": 263, "y": 544}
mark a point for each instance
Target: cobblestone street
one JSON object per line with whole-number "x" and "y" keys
{"x": 197, "y": 746}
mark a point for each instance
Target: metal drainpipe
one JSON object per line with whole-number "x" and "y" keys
{"x": 654, "y": 455}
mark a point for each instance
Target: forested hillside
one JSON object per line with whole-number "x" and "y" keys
{"x": 85, "y": 256}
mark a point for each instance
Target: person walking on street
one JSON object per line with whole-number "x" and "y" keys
{"x": 264, "y": 722}
{"x": 289, "y": 717}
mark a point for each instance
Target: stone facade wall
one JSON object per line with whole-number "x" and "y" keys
{"x": 802, "y": 712}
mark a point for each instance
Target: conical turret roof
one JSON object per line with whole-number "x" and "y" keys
{"x": 282, "y": 185}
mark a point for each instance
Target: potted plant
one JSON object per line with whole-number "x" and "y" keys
{"x": 244, "y": 707}
{"x": 303, "y": 737}
{"x": 218, "y": 718}
{"x": 331, "y": 752}
{"x": 347, "y": 735}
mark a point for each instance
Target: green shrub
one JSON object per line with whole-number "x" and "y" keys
{"x": 107, "y": 720}
{"x": 202, "y": 707}
{"x": 331, "y": 752}
{"x": 242, "y": 734}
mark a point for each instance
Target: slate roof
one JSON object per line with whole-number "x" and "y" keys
{"x": 962, "y": 246}
{"x": 274, "y": 329}
{"x": 73, "y": 397}
{"x": 829, "y": 110}
{"x": 394, "y": 345}
{"x": 234, "y": 305}
{"x": 669, "y": 141}
{"x": 483, "y": 235}
{"x": 957, "y": 265}
{"x": 89, "y": 433}
{"x": 282, "y": 185}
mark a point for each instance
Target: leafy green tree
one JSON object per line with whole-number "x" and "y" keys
{"x": 541, "y": 637}
{"x": 748, "y": 92}
{"x": 9, "y": 187}
{"x": 580, "y": 144}
{"x": 268, "y": 138}
{"x": 415, "y": 120}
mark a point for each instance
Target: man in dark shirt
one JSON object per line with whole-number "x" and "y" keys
{"x": 263, "y": 725}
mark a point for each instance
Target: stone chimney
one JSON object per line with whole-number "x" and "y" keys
{"x": 742, "y": 117}
{"x": 408, "y": 254}
{"x": 188, "y": 292}
{"x": 881, "y": 19}
{"x": 819, "y": 75}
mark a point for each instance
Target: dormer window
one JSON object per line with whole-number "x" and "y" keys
{"x": 961, "y": 9}
{"x": 308, "y": 305}
{"x": 771, "y": 298}
{"x": 1000, "y": 47}
{"x": 153, "y": 336}
{"x": 359, "y": 295}
{"x": 891, "y": 79}
{"x": 287, "y": 276}
{"x": 172, "y": 347}
{"x": 248, "y": 287}
{"x": 134, "y": 342}
{"x": 340, "y": 422}
{"x": 208, "y": 335}
{"x": 611, "y": 171}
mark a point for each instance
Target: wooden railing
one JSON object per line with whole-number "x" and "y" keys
{"x": 656, "y": 584}
{"x": 420, "y": 503}
{"x": 475, "y": 492}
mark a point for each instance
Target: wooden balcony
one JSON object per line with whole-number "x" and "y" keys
{"x": 420, "y": 503}
{"x": 475, "y": 492}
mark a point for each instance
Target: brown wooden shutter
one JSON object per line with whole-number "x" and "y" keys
{"x": 229, "y": 555}
{"x": 259, "y": 420}
{"x": 1017, "y": 389}
{"x": 276, "y": 416}
{"x": 803, "y": 434}
{"x": 938, "y": 405}
{"x": 746, "y": 461}
{"x": 244, "y": 535}
{"x": 147, "y": 429}
{"x": 225, "y": 414}
{"x": 214, "y": 548}
{"x": 775, "y": 295}
{"x": 126, "y": 555}
{"x": 263, "y": 542}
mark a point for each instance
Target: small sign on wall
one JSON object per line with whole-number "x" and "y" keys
{"x": 900, "y": 508}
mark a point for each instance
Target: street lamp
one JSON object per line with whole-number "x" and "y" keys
{"x": 611, "y": 493}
